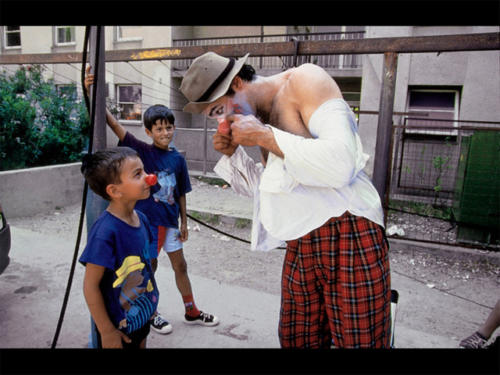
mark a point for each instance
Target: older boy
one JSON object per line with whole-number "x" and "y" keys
{"x": 119, "y": 284}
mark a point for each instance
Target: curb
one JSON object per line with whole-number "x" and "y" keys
{"x": 218, "y": 217}
{"x": 447, "y": 251}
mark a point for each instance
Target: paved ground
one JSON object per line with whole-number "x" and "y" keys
{"x": 444, "y": 295}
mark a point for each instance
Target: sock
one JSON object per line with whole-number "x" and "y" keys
{"x": 190, "y": 306}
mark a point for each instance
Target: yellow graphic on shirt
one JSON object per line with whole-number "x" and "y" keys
{"x": 150, "y": 287}
{"x": 130, "y": 264}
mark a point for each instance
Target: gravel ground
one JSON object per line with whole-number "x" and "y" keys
{"x": 446, "y": 273}
{"x": 431, "y": 268}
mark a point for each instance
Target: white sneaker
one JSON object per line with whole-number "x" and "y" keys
{"x": 160, "y": 324}
{"x": 203, "y": 319}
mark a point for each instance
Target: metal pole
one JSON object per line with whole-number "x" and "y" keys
{"x": 384, "y": 127}
{"x": 100, "y": 105}
{"x": 95, "y": 205}
{"x": 262, "y": 41}
{"x": 205, "y": 148}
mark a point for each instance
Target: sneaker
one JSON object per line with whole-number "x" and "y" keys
{"x": 494, "y": 345}
{"x": 475, "y": 341}
{"x": 203, "y": 319}
{"x": 160, "y": 325}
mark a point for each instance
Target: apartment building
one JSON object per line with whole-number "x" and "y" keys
{"x": 449, "y": 86}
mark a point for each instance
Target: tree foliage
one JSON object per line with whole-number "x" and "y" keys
{"x": 38, "y": 125}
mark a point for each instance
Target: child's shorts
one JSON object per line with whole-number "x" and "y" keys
{"x": 137, "y": 337}
{"x": 168, "y": 238}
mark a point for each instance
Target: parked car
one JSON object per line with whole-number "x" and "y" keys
{"x": 4, "y": 242}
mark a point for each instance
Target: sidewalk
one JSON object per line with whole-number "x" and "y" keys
{"x": 33, "y": 287}
{"x": 241, "y": 287}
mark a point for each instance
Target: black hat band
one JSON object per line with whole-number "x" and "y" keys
{"x": 219, "y": 79}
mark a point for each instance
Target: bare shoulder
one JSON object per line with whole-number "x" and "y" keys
{"x": 311, "y": 82}
{"x": 311, "y": 70}
{"x": 311, "y": 86}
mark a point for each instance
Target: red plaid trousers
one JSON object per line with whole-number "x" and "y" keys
{"x": 336, "y": 287}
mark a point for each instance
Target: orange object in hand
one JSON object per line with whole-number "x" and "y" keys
{"x": 224, "y": 127}
{"x": 151, "y": 179}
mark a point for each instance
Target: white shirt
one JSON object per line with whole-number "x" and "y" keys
{"x": 318, "y": 178}
{"x": 243, "y": 174}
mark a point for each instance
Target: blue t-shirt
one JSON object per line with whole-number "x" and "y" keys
{"x": 162, "y": 206}
{"x": 128, "y": 284}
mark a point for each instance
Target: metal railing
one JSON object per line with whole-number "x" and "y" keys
{"x": 281, "y": 62}
{"x": 445, "y": 182}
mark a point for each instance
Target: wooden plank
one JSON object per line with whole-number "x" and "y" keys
{"x": 384, "y": 127}
{"x": 436, "y": 43}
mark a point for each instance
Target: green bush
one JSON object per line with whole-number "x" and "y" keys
{"x": 38, "y": 125}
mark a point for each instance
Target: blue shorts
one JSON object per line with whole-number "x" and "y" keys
{"x": 166, "y": 238}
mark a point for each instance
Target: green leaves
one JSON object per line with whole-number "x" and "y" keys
{"x": 38, "y": 126}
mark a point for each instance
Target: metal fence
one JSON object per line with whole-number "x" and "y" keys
{"x": 281, "y": 62}
{"x": 445, "y": 182}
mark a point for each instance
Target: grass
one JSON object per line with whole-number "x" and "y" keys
{"x": 425, "y": 209}
{"x": 206, "y": 217}
{"x": 212, "y": 180}
{"x": 242, "y": 223}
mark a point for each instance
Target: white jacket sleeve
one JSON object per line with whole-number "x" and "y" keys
{"x": 332, "y": 158}
{"x": 240, "y": 171}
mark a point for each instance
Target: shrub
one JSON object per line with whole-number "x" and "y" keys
{"x": 38, "y": 125}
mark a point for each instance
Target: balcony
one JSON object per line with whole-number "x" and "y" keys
{"x": 338, "y": 65}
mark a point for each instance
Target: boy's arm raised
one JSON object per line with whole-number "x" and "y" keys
{"x": 117, "y": 128}
{"x": 113, "y": 123}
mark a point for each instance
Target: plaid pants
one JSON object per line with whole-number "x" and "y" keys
{"x": 336, "y": 287}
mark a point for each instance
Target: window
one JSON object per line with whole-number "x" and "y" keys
{"x": 12, "y": 36}
{"x": 128, "y": 33}
{"x": 129, "y": 99}
{"x": 68, "y": 91}
{"x": 434, "y": 109}
{"x": 65, "y": 35}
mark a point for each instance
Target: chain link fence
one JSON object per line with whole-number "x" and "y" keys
{"x": 445, "y": 182}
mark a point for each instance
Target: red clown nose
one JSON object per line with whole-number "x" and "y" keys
{"x": 151, "y": 179}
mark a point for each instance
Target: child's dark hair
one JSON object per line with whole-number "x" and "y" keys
{"x": 104, "y": 167}
{"x": 155, "y": 112}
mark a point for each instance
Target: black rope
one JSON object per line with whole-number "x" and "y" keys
{"x": 441, "y": 290}
{"x": 217, "y": 230}
{"x": 224, "y": 233}
{"x": 85, "y": 187}
{"x": 392, "y": 270}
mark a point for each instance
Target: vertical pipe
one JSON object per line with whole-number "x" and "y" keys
{"x": 384, "y": 127}
{"x": 100, "y": 106}
{"x": 205, "y": 149}
{"x": 262, "y": 41}
{"x": 95, "y": 205}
